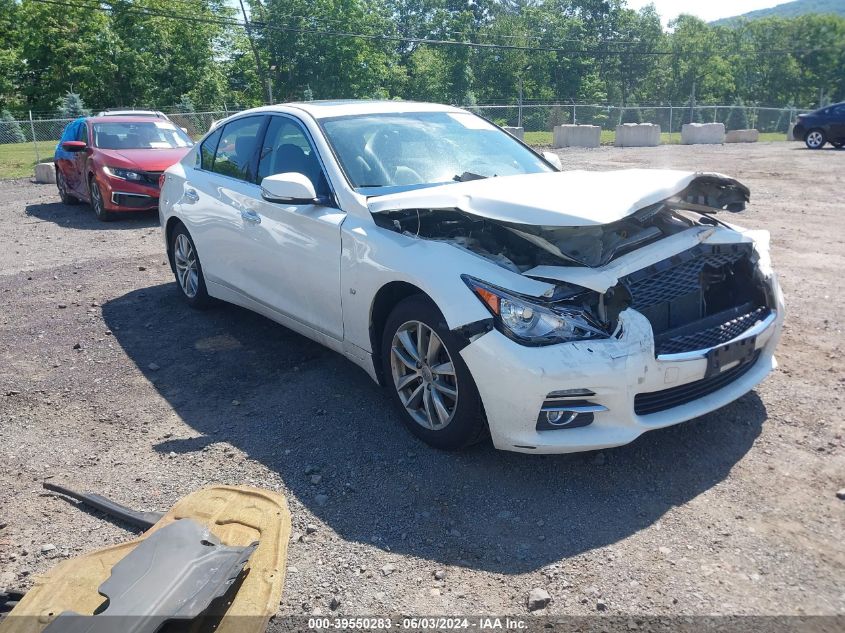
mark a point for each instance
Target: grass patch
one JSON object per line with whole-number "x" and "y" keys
{"x": 544, "y": 139}
{"x": 17, "y": 160}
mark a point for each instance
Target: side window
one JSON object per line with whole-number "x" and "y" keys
{"x": 237, "y": 147}
{"x": 207, "y": 150}
{"x": 287, "y": 149}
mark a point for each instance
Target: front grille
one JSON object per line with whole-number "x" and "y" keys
{"x": 712, "y": 336}
{"x": 677, "y": 280}
{"x": 699, "y": 298}
{"x": 656, "y": 401}
{"x": 151, "y": 177}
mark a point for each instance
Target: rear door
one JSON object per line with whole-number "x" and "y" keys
{"x": 216, "y": 191}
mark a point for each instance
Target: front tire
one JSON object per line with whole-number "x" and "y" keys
{"x": 61, "y": 185}
{"x": 97, "y": 201}
{"x": 188, "y": 269}
{"x": 815, "y": 139}
{"x": 427, "y": 378}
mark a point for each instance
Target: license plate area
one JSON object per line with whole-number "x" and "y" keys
{"x": 731, "y": 355}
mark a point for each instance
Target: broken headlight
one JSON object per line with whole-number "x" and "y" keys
{"x": 532, "y": 321}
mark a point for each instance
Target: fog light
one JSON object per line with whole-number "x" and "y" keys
{"x": 567, "y": 415}
{"x": 560, "y": 418}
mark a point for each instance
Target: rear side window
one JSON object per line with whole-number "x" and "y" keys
{"x": 236, "y": 151}
{"x": 208, "y": 148}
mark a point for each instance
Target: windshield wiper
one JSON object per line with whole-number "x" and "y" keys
{"x": 467, "y": 176}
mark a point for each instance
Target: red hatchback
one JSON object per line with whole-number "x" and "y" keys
{"x": 114, "y": 162}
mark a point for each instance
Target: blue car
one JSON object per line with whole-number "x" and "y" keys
{"x": 825, "y": 125}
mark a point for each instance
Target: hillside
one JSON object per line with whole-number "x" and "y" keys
{"x": 790, "y": 10}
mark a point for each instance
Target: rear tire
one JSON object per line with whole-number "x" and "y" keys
{"x": 837, "y": 144}
{"x": 188, "y": 269}
{"x": 815, "y": 139}
{"x": 97, "y": 202}
{"x": 427, "y": 378}
{"x": 61, "y": 185}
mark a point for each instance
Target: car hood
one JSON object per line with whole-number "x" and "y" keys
{"x": 144, "y": 159}
{"x": 570, "y": 198}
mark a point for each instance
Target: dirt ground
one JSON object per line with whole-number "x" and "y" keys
{"x": 108, "y": 383}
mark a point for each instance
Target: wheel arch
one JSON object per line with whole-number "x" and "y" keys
{"x": 387, "y": 297}
{"x": 172, "y": 223}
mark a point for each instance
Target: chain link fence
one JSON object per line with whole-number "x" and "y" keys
{"x": 25, "y": 142}
{"x": 544, "y": 117}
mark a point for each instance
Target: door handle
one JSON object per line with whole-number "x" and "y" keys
{"x": 250, "y": 216}
{"x": 191, "y": 195}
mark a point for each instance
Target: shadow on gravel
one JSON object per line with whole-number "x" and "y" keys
{"x": 81, "y": 216}
{"x": 301, "y": 407}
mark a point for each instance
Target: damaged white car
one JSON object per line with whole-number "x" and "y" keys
{"x": 486, "y": 289}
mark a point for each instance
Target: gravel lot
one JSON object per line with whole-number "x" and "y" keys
{"x": 110, "y": 384}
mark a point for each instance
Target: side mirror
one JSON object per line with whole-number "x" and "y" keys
{"x": 74, "y": 146}
{"x": 291, "y": 187}
{"x": 554, "y": 159}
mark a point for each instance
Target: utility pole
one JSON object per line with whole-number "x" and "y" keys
{"x": 262, "y": 76}
{"x": 519, "y": 115}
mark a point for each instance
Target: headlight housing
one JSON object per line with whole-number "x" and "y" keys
{"x": 532, "y": 321}
{"x": 125, "y": 174}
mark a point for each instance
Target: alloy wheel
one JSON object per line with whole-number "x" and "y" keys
{"x": 815, "y": 139}
{"x": 185, "y": 260}
{"x": 424, "y": 375}
{"x": 97, "y": 199}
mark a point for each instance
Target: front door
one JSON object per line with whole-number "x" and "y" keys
{"x": 294, "y": 249}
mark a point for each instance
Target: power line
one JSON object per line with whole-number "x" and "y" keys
{"x": 148, "y": 11}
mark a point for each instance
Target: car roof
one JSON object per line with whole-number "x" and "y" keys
{"x": 128, "y": 119}
{"x": 345, "y": 107}
{"x": 131, "y": 112}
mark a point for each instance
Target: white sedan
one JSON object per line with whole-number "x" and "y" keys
{"x": 489, "y": 291}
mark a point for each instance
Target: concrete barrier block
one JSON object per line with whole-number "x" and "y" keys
{"x": 790, "y": 133}
{"x": 637, "y": 135}
{"x": 518, "y": 132}
{"x": 702, "y": 133}
{"x": 45, "y": 173}
{"x": 576, "y": 136}
{"x": 742, "y": 136}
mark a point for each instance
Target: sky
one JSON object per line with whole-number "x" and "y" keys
{"x": 705, "y": 9}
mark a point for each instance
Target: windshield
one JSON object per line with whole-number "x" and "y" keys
{"x": 425, "y": 148}
{"x": 143, "y": 135}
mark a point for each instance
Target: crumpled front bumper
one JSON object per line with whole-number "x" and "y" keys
{"x": 514, "y": 382}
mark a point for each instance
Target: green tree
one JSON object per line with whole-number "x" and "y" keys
{"x": 10, "y": 130}
{"x": 10, "y": 62}
{"x": 71, "y": 106}
{"x": 71, "y": 49}
{"x": 737, "y": 117}
{"x": 188, "y": 118}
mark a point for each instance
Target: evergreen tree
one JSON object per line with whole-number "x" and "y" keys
{"x": 188, "y": 119}
{"x": 631, "y": 114}
{"x": 737, "y": 117}
{"x": 71, "y": 106}
{"x": 10, "y": 130}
